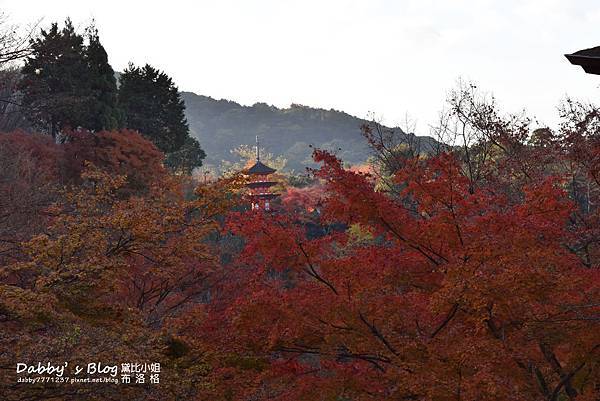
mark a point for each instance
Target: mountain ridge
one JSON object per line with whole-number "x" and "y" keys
{"x": 222, "y": 125}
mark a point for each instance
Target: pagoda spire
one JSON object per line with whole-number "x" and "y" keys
{"x": 257, "y": 149}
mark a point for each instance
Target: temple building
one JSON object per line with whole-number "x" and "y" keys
{"x": 588, "y": 59}
{"x": 259, "y": 186}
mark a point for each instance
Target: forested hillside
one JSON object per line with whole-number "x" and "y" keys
{"x": 222, "y": 125}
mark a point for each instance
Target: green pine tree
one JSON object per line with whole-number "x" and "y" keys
{"x": 153, "y": 105}
{"x": 68, "y": 83}
{"x": 51, "y": 83}
{"x": 104, "y": 113}
{"x": 188, "y": 157}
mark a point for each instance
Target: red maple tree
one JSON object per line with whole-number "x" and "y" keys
{"x": 453, "y": 290}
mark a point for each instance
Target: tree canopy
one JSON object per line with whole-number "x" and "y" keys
{"x": 152, "y": 105}
{"x": 67, "y": 81}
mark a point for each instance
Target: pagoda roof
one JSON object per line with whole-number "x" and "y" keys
{"x": 588, "y": 59}
{"x": 260, "y": 184}
{"x": 264, "y": 196}
{"x": 260, "y": 168}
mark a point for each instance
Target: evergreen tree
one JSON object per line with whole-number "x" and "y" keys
{"x": 68, "y": 82}
{"x": 153, "y": 105}
{"x": 188, "y": 157}
{"x": 103, "y": 113}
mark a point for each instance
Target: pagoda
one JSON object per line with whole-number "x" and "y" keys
{"x": 259, "y": 187}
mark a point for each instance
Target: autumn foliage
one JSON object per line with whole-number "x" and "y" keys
{"x": 449, "y": 285}
{"x": 111, "y": 271}
{"x": 466, "y": 273}
{"x": 123, "y": 152}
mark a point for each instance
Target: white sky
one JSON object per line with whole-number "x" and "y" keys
{"x": 391, "y": 58}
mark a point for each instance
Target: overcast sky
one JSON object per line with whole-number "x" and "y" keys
{"x": 390, "y": 58}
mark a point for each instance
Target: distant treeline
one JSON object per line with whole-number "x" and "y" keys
{"x": 222, "y": 125}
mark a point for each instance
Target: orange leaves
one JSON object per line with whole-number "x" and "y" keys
{"x": 113, "y": 270}
{"x": 123, "y": 152}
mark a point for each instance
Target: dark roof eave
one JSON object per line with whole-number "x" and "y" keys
{"x": 260, "y": 168}
{"x": 265, "y": 196}
{"x": 590, "y": 64}
{"x": 261, "y": 184}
